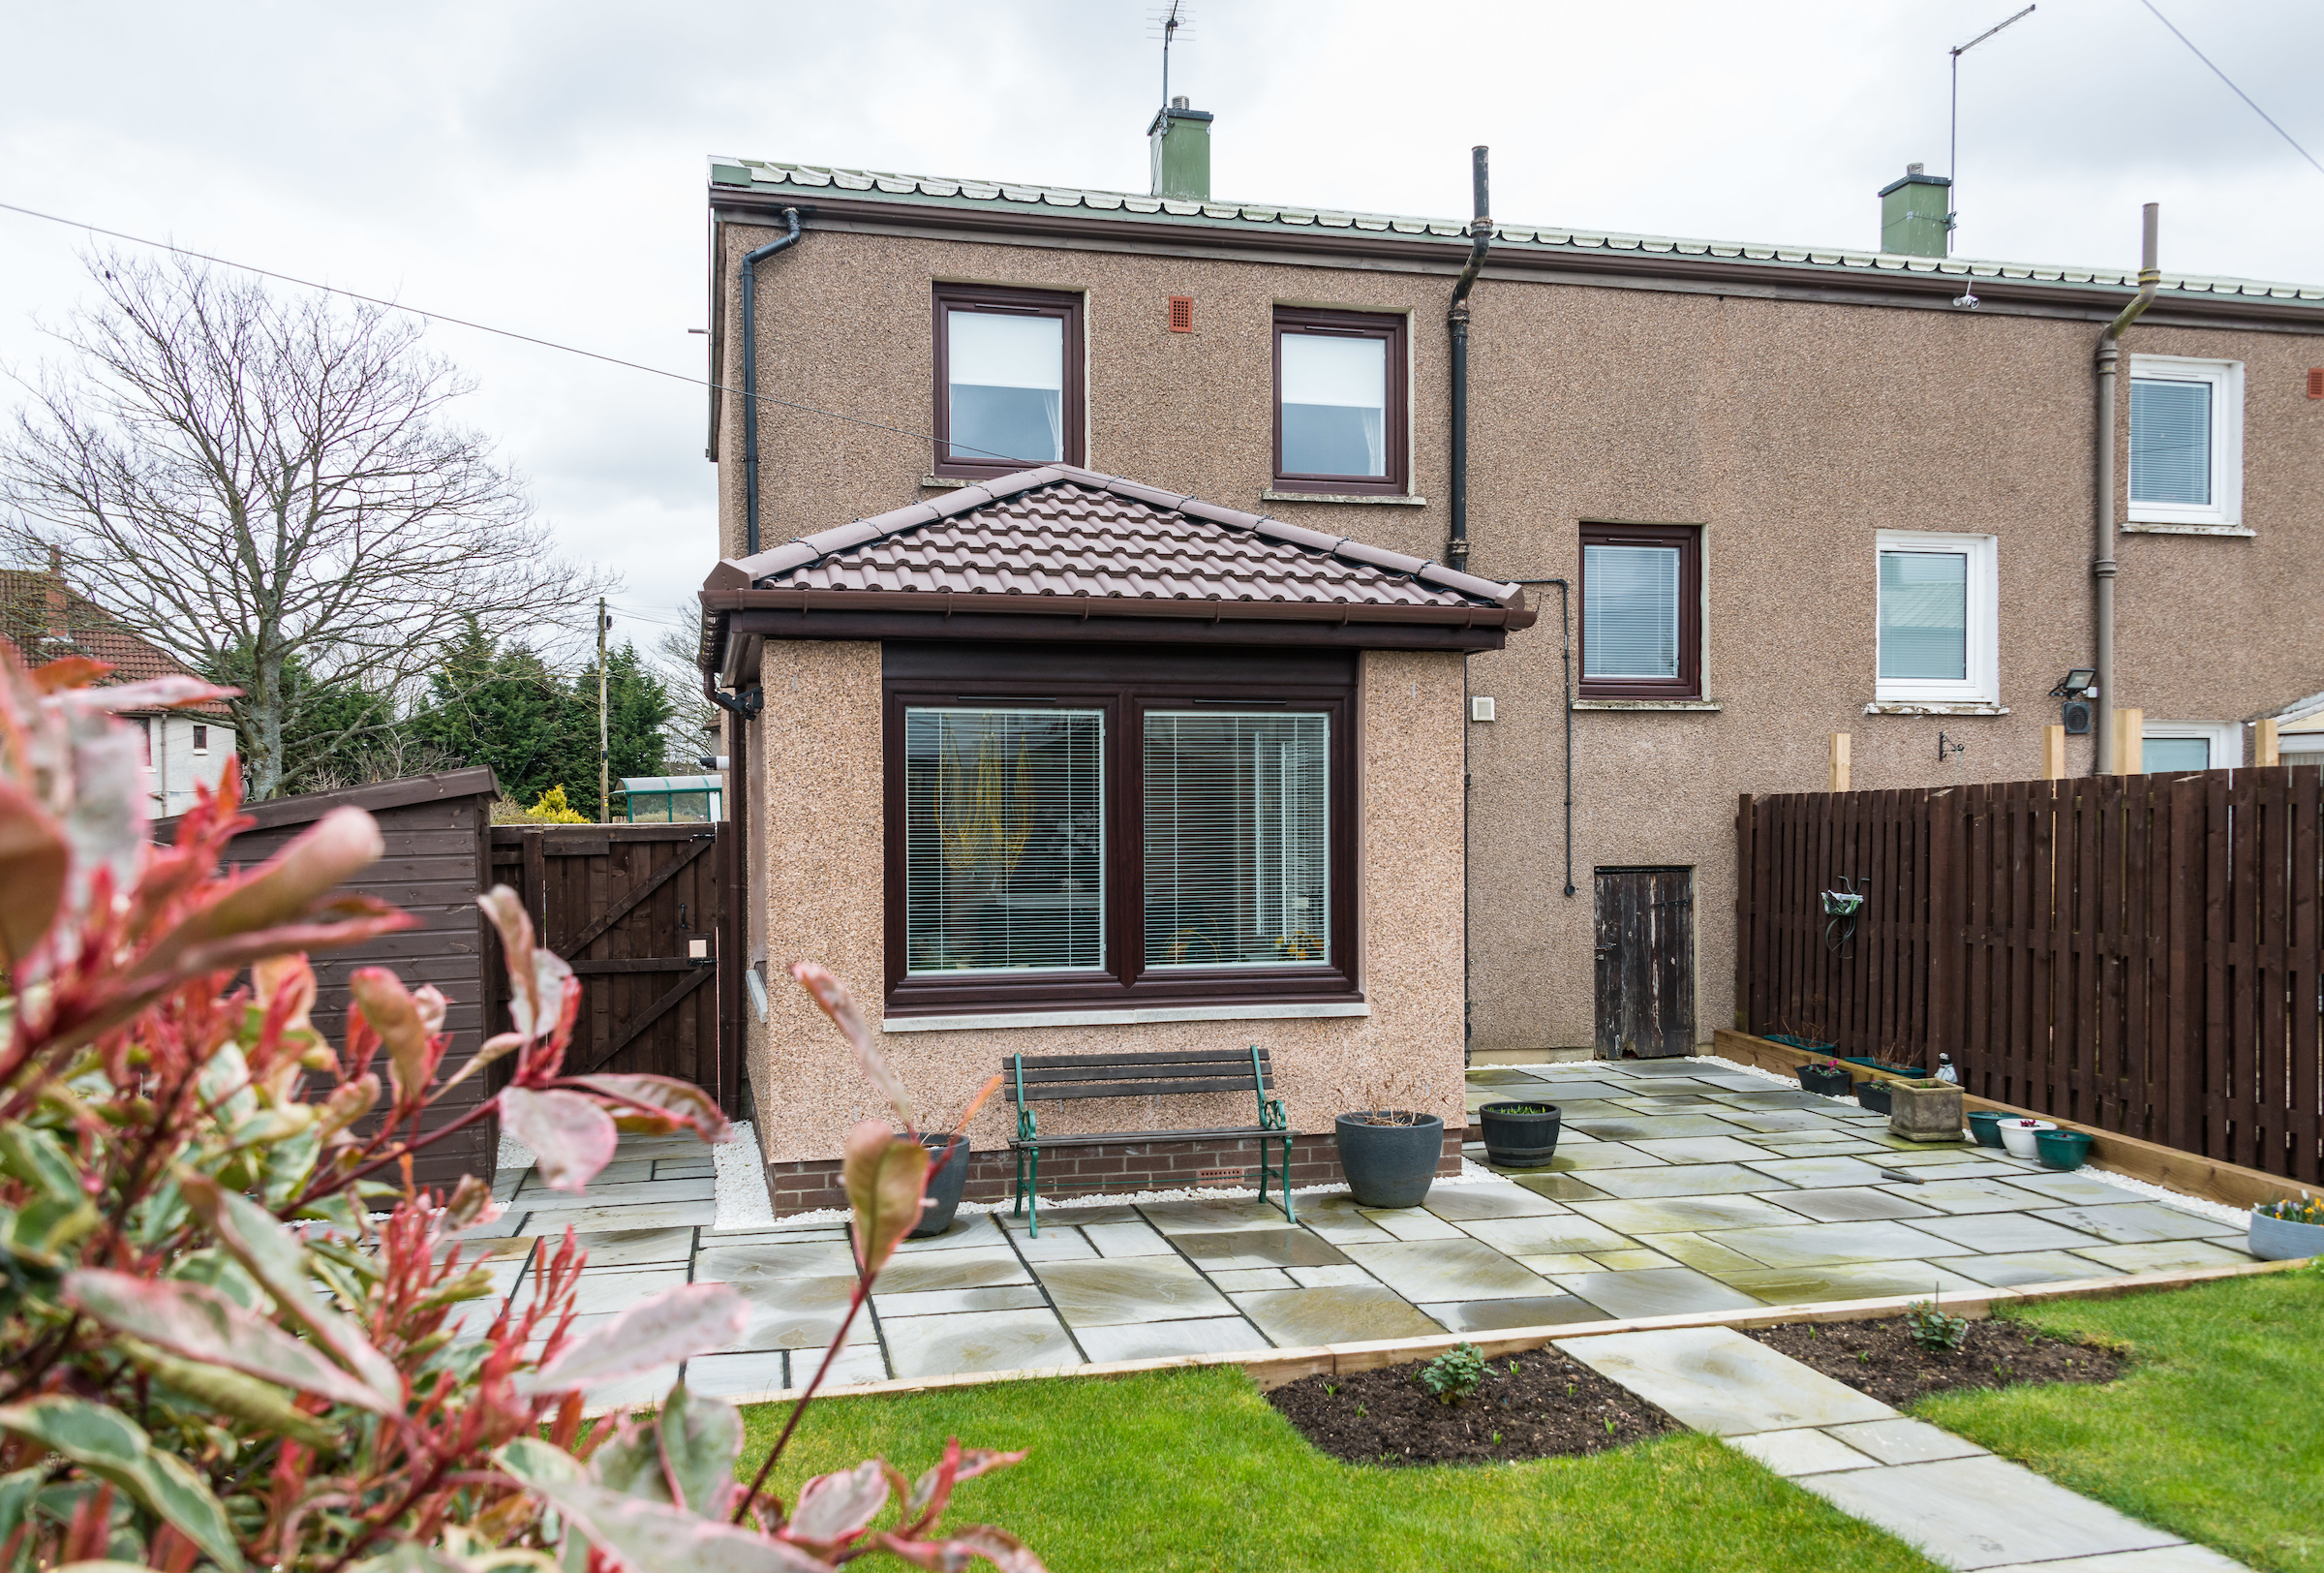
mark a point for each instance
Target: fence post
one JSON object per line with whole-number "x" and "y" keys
{"x": 2129, "y": 742}
{"x": 2264, "y": 745}
{"x": 2052, "y": 751}
{"x": 1839, "y": 763}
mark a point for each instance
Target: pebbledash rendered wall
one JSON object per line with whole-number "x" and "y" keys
{"x": 819, "y": 808}
{"x": 1790, "y": 430}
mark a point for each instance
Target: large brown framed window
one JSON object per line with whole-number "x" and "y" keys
{"x": 1122, "y": 828}
{"x": 1341, "y": 421}
{"x": 1641, "y": 611}
{"x": 1008, "y": 379}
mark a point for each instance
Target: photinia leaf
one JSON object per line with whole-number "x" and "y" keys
{"x": 395, "y": 1015}
{"x": 835, "y": 1001}
{"x": 341, "y": 844}
{"x": 154, "y": 693}
{"x": 571, "y": 1136}
{"x": 32, "y": 873}
{"x": 68, "y": 673}
{"x": 701, "y": 1436}
{"x": 198, "y": 1322}
{"x": 109, "y": 1445}
{"x": 630, "y": 1464}
{"x": 683, "y": 1103}
{"x": 470, "y": 1201}
{"x": 232, "y": 1393}
{"x": 884, "y": 1177}
{"x": 277, "y": 1260}
{"x": 37, "y": 1158}
{"x": 832, "y": 1509}
{"x": 677, "y": 1324}
{"x": 640, "y": 1536}
{"x": 998, "y": 1546}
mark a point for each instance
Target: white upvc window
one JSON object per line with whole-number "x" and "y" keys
{"x": 2186, "y": 442}
{"x": 1937, "y": 619}
{"x": 2169, "y": 747}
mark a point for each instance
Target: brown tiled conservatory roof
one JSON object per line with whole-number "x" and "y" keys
{"x": 1064, "y": 541}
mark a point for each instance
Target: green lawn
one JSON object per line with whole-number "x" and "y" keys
{"x": 2217, "y": 1434}
{"x": 1191, "y": 1469}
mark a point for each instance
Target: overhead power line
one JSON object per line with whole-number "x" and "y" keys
{"x": 2231, "y": 88}
{"x": 503, "y": 332}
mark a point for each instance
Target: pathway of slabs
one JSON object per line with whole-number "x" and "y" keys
{"x": 1679, "y": 1185}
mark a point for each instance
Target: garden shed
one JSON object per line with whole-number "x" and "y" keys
{"x": 1062, "y": 764}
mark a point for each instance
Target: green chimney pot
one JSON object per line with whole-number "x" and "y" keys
{"x": 1914, "y": 212}
{"x": 1179, "y": 140}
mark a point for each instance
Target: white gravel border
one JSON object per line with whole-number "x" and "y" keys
{"x": 740, "y": 1182}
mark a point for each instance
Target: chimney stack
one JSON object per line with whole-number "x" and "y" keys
{"x": 1914, "y": 213}
{"x": 1180, "y": 142}
{"x": 59, "y": 623}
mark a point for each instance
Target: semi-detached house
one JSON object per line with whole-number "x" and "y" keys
{"x": 1120, "y": 672}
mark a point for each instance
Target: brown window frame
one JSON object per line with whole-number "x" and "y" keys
{"x": 1688, "y": 538}
{"x": 1125, "y": 682}
{"x": 1062, "y": 304}
{"x": 1396, "y": 418}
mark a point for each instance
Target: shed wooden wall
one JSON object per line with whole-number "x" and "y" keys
{"x": 438, "y": 831}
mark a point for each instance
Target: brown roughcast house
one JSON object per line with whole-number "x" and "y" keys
{"x": 1242, "y": 748}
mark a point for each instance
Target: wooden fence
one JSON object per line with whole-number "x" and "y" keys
{"x": 2139, "y": 953}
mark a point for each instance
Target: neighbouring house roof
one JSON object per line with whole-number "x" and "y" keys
{"x": 48, "y": 620}
{"x": 806, "y": 184}
{"x": 1060, "y": 552}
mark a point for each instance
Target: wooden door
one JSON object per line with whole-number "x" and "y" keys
{"x": 1645, "y": 970}
{"x": 640, "y": 911}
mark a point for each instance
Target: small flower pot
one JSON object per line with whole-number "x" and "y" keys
{"x": 1388, "y": 1165}
{"x": 2280, "y": 1240}
{"x": 1874, "y": 1094}
{"x": 1519, "y": 1135}
{"x": 1986, "y": 1126}
{"x": 2061, "y": 1148}
{"x": 2018, "y": 1135}
{"x": 947, "y": 1179}
{"x": 1924, "y": 1111}
{"x": 1825, "y": 1081}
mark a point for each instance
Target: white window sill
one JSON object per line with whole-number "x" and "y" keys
{"x": 2161, "y": 527}
{"x": 1694, "y": 706}
{"x": 1122, "y": 1018}
{"x": 1339, "y": 497}
{"x": 945, "y": 480}
{"x": 1936, "y": 707}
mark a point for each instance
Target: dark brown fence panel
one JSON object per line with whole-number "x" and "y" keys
{"x": 2137, "y": 953}
{"x": 640, "y": 911}
{"x": 433, "y": 868}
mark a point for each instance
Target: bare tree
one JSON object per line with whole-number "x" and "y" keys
{"x": 692, "y": 730}
{"x": 273, "y": 490}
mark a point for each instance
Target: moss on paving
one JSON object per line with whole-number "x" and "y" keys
{"x": 1192, "y": 1469}
{"x": 2217, "y": 1432}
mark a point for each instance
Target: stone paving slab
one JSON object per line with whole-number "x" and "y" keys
{"x": 1983, "y": 1512}
{"x": 1715, "y": 1379}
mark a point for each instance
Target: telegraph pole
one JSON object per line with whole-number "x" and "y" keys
{"x": 605, "y": 735}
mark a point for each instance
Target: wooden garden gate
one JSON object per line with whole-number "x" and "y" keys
{"x": 643, "y": 913}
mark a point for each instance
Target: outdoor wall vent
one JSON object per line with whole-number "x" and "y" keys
{"x": 2315, "y": 381}
{"x": 1181, "y": 320}
{"x": 1481, "y": 708}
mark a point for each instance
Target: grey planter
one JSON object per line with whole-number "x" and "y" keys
{"x": 1924, "y": 1111}
{"x": 1519, "y": 1140}
{"x": 945, "y": 1185}
{"x": 2280, "y": 1240}
{"x": 1388, "y": 1165}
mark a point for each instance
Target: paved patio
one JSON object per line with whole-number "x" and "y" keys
{"x": 1679, "y": 1185}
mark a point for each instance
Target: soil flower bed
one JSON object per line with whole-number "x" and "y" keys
{"x": 1540, "y": 1404}
{"x": 1880, "y": 1360}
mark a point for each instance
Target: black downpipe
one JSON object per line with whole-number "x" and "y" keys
{"x": 1480, "y": 236}
{"x": 750, "y": 261}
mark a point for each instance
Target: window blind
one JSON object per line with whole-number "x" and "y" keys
{"x": 2170, "y": 754}
{"x": 1007, "y": 376}
{"x": 1237, "y": 839}
{"x": 1004, "y": 839}
{"x": 2170, "y": 442}
{"x": 1335, "y": 405}
{"x": 1924, "y": 616}
{"x": 1630, "y": 611}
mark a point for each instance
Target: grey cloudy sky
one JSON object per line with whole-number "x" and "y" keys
{"x": 542, "y": 166}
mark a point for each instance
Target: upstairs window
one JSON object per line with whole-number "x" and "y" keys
{"x": 1641, "y": 611}
{"x": 1938, "y": 604}
{"x": 1008, "y": 379}
{"x": 1340, "y": 402}
{"x": 201, "y": 738}
{"x": 2186, "y": 440}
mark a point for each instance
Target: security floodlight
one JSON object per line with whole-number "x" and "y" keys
{"x": 2077, "y": 682}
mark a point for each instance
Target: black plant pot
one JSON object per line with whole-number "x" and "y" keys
{"x": 1519, "y": 1135}
{"x": 1874, "y": 1096}
{"x": 945, "y": 1183}
{"x": 1828, "y": 1083}
{"x": 1388, "y": 1165}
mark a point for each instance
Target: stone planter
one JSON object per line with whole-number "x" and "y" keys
{"x": 2280, "y": 1240}
{"x": 945, "y": 1185}
{"x": 1924, "y": 1111}
{"x": 1388, "y": 1165}
{"x": 1519, "y": 1135}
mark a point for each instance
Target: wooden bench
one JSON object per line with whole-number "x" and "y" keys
{"x": 1032, "y": 1079}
